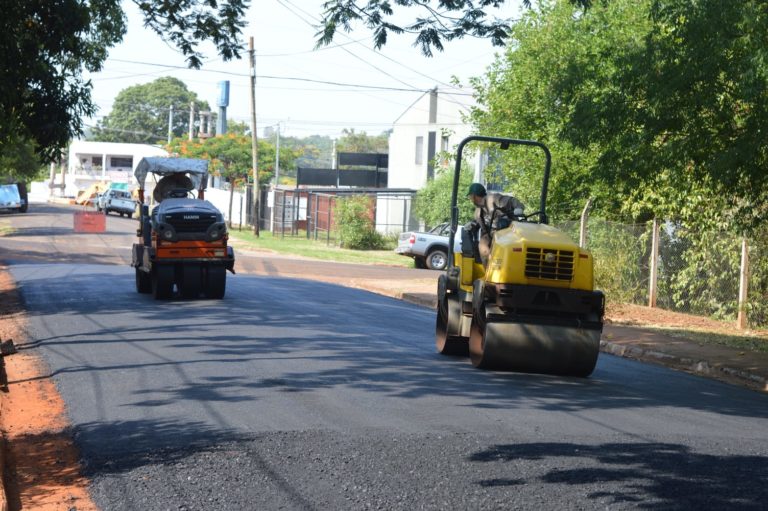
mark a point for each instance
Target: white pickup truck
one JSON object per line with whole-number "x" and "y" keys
{"x": 119, "y": 201}
{"x": 428, "y": 249}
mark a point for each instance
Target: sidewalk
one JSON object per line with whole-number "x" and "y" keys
{"x": 731, "y": 365}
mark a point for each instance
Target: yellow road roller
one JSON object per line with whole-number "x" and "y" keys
{"x": 532, "y": 307}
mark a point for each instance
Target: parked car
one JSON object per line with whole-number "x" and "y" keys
{"x": 13, "y": 197}
{"x": 428, "y": 249}
{"x": 119, "y": 201}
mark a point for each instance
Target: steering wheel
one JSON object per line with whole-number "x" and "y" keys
{"x": 527, "y": 217}
{"x": 177, "y": 193}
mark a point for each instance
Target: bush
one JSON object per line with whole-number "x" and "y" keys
{"x": 355, "y": 225}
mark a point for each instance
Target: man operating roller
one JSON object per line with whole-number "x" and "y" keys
{"x": 492, "y": 211}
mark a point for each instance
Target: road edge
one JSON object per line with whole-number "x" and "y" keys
{"x": 699, "y": 367}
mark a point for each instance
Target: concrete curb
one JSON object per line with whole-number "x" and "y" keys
{"x": 698, "y": 367}
{"x": 689, "y": 365}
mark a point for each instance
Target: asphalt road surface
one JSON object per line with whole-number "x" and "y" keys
{"x": 294, "y": 394}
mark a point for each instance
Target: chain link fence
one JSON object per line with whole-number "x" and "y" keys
{"x": 698, "y": 271}
{"x": 312, "y": 214}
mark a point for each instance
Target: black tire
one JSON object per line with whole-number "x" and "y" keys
{"x": 143, "y": 282}
{"x": 191, "y": 284}
{"x": 437, "y": 259}
{"x": 420, "y": 263}
{"x": 162, "y": 281}
{"x": 215, "y": 282}
{"x": 449, "y": 345}
{"x": 24, "y": 208}
{"x": 477, "y": 329}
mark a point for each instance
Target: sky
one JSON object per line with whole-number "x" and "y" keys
{"x": 288, "y": 70}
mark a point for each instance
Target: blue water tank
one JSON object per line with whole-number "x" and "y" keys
{"x": 224, "y": 93}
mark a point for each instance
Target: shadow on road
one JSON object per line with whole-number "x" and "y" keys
{"x": 643, "y": 475}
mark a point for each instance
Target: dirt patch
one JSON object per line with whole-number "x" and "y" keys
{"x": 637, "y": 315}
{"x": 42, "y": 468}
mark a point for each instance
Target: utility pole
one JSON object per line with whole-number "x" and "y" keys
{"x": 277, "y": 156}
{"x": 170, "y": 124}
{"x": 254, "y": 140}
{"x": 191, "y": 119}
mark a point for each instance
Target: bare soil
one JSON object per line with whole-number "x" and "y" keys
{"x": 42, "y": 470}
{"x": 637, "y": 315}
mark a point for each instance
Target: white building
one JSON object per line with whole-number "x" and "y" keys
{"x": 434, "y": 123}
{"x": 94, "y": 162}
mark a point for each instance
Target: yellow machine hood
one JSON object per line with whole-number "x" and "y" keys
{"x": 538, "y": 254}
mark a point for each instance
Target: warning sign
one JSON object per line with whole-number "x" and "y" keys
{"x": 90, "y": 221}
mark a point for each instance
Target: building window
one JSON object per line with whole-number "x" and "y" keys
{"x": 97, "y": 161}
{"x": 444, "y": 143}
{"x": 419, "y": 150}
{"x": 121, "y": 161}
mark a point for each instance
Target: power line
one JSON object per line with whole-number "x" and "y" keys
{"x": 358, "y": 41}
{"x": 288, "y": 78}
{"x": 283, "y": 3}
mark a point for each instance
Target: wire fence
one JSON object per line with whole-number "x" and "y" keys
{"x": 698, "y": 272}
{"x": 312, "y": 214}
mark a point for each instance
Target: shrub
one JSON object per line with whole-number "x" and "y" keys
{"x": 355, "y": 224}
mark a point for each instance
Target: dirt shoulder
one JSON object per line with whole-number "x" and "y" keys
{"x": 41, "y": 466}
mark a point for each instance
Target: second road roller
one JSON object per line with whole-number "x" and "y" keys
{"x": 531, "y": 306}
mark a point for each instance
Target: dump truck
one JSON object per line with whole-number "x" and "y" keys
{"x": 532, "y": 307}
{"x": 182, "y": 243}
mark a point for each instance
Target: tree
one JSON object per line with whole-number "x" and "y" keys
{"x": 521, "y": 96}
{"x": 655, "y": 107}
{"x": 354, "y": 142}
{"x": 432, "y": 203}
{"x": 438, "y": 21}
{"x": 46, "y": 46}
{"x": 230, "y": 157}
{"x": 18, "y": 161}
{"x": 688, "y": 123}
{"x": 140, "y": 112}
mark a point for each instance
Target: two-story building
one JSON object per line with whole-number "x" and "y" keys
{"x": 433, "y": 124}
{"x": 109, "y": 162}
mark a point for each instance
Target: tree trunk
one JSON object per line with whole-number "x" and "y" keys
{"x": 231, "y": 198}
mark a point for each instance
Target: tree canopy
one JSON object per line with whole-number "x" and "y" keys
{"x": 140, "y": 112}
{"x": 434, "y": 21}
{"x": 655, "y": 107}
{"x": 46, "y": 46}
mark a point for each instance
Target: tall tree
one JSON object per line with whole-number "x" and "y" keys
{"x": 657, "y": 107}
{"x": 45, "y": 46}
{"x": 140, "y": 112}
{"x": 435, "y": 21}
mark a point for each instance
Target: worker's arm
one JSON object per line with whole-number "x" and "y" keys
{"x": 507, "y": 204}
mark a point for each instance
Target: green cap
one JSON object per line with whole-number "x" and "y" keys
{"x": 476, "y": 189}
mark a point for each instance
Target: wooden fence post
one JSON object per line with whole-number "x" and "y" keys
{"x": 583, "y": 226}
{"x": 741, "y": 320}
{"x": 654, "y": 276}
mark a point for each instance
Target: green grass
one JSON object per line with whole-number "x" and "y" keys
{"x": 755, "y": 343}
{"x": 301, "y": 246}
